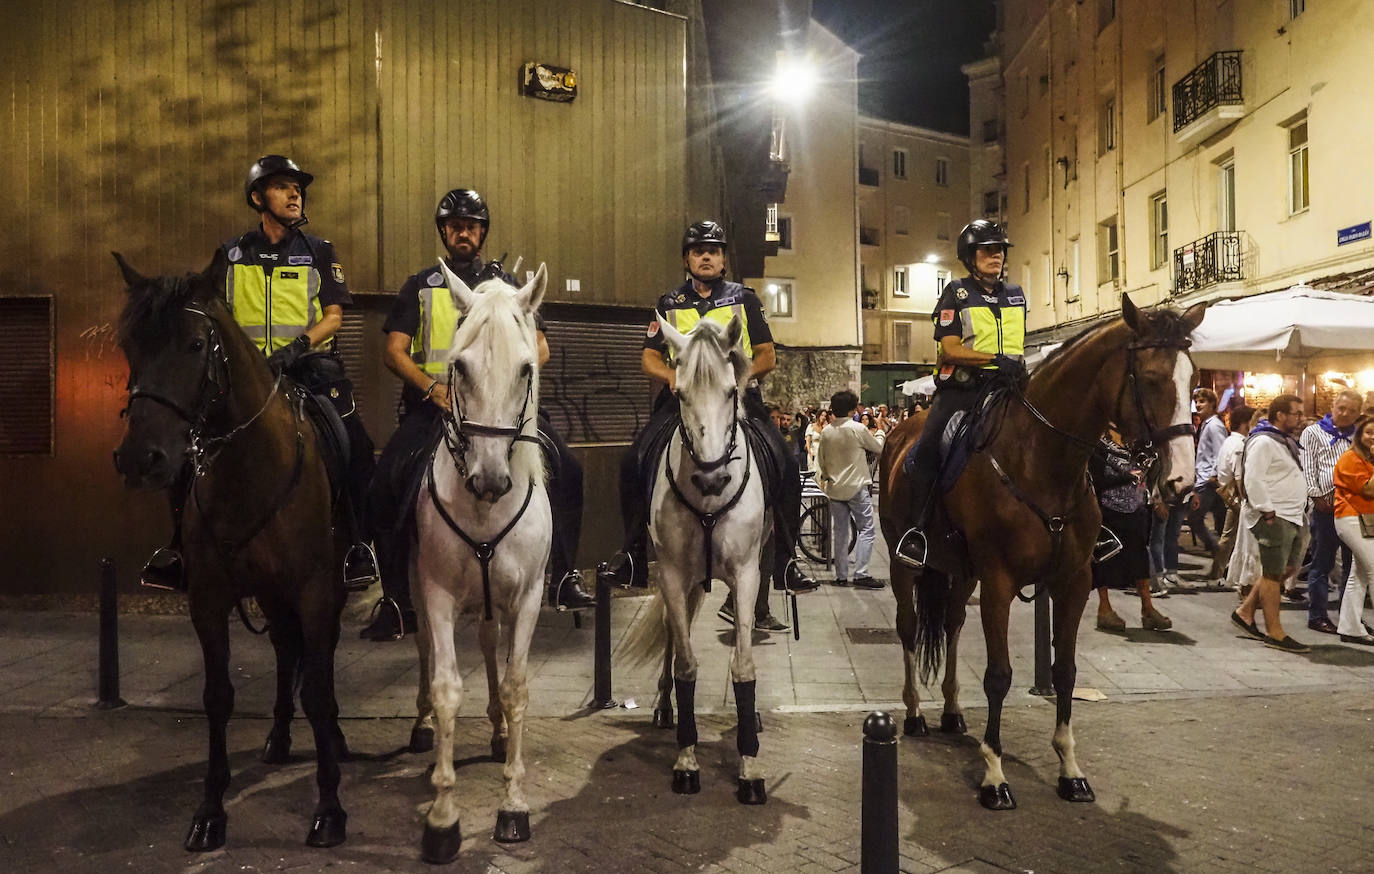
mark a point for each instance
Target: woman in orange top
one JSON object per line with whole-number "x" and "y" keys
{"x": 1355, "y": 497}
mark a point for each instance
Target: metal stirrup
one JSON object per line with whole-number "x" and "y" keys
{"x": 916, "y": 564}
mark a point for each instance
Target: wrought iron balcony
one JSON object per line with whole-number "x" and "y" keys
{"x": 868, "y": 176}
{"x": 1209, "y": 97}
{"x": 1211, "y": 260}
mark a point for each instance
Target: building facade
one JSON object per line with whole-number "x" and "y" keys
{"x": 1177, "y": 151}
{"x": 913, "y": 200}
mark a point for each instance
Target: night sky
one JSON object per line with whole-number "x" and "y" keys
{"x": 912, "y": 50}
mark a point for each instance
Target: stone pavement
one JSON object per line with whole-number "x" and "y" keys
{"x": 1210, "y": 753}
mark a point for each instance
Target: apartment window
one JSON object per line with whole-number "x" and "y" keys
{"x": 942, "y": 278}
{"x": 1298, "y": 195}
{"x": 770, "y": 223}
{"x": 901, "y": 221}
{"x": 28, "y": 374}
{"x": 901, "y": 341}
{"x": 784, "y": 232}
{"x": 990, "y": 203}
{"x": 778, "y": 297}
{"x": 899, "y": 163}
{"x": 1025, "y": 186}
{"x": 1108, "y": 252}
{"x": 1106, "y": 126}
{"x": 990, "y": 130}
{"x": 1159, "y": 90}
{"x": 942, "y": 171}
{"x": 1226, "y": 196}
{"x": 942, "y": 226}
{"x": 1296, "y": 8}
{"x": 1106, "y": 13}
{"x": 1072, "y": 291}
{"x": 899, "y": 284}
{"x": 1159, "y": 231}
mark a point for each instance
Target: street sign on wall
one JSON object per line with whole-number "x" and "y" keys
{"x": 1353, "y": 234}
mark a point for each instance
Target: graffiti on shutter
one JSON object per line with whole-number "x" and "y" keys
{"x": 592, "y": 386}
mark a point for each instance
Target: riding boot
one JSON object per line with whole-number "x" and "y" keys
{"x": 629, "y": 568}
{"x": 567, "y": 593}
{"x": 360, "y": 563}
{"x": 165, "y": 569}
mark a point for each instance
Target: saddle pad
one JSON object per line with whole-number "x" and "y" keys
{"x": 964, "y": 435}
{"x": 332, "y": 440}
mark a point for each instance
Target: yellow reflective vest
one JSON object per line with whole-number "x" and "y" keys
{"x": 995, "y": 324}
{"x": 275, "y": 300}
{"x": 438, "y": 320}
{"x": 728, "y": 305}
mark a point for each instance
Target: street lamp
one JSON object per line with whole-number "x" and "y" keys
{"x": 795, "y": 80}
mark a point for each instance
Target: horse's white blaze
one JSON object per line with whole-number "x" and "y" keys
{"x": 993, "y": 776}
{"x": 1181, "y": 451}
{"x": 687, "y": 759}
{"x": 1063, "y": 745}
{"x": 749, "y": 768}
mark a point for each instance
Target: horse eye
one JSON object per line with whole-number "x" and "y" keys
{"x": 459, "y": 370}
{"x": 196, "y": 345}
{"x": 526, "y": 371}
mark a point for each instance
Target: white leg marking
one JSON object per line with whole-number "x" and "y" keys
{"x": 993, "y": 776}
{"x": 1063, "y": 745}
{"x": 687, "y": 760}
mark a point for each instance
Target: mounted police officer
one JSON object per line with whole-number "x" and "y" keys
{"x": 287, "y": 292}
{"x": 419, "y": 330}
{"x": 980, "y": 326}
{"x": 706, "y": 294}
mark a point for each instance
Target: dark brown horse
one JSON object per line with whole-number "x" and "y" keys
{"x": 1024, "y": 507}
{"x": 257, "y": 516}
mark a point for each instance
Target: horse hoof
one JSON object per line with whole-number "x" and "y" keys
{"x": 758, "y": 722}
{"x": 512, "y": 826}
{"x": 439, "y": 846}
{"x": 1076, "y": 789}
{"x": 996, "y": 797}
{"x": 421, "y": 739}
{"x": 328, "y": 830}
{"x": 207, "y": 833}
{"x": 953, "y": 723}
{"x": 915, "y": 726}
{"x": 663, "y": 717}
{"x": 751, "y": 791}
{"x": 277, "y": 749}
{"x": 686, "y": 782}
{"x": 498, "y": 749}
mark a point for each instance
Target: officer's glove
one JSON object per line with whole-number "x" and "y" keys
{"x": 288, "y": 355}
{"x": 1010, "y": 367}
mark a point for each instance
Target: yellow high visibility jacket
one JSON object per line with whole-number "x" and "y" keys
{"x": 275, "y": 293}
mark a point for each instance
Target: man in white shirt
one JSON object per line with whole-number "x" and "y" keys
{"x": 842, "y": 472}
{"x": 1228, "y": 463}
{"x": 1322, "y": 443}
{"x": 1275, "y": 509}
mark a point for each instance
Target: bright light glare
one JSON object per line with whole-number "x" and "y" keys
{"x": 932, "y": 258}
{"x": 795, "y": 81}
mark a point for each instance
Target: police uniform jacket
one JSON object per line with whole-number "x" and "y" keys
{"x": 992, "y": 322}
{"x": 277, "y": 291}
{"x": 684, "y": 307}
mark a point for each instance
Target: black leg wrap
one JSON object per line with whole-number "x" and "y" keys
{"x": 996, "y": 797}
{"x": 747, "y": 732}
{"x": 439, "y": 846}
{"x": 512, "y": 827}
{"x": 915, "y": 726}
{"x": 207, "y": 833}
{"x": 1076, "y": 789}
{"x": 687, "y": 711}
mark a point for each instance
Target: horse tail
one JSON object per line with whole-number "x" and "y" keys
{"x": 649, "y": 636}
{"x": 932, "y": 602}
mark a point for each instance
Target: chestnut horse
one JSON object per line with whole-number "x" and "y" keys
{"x": 1025, "y": 510}
{"x": 257, "y": 517}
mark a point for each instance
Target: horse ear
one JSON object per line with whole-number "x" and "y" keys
{"x": 1192, "y": 317}
{"x": 743, "y": 366}
{"x": 531, "y": 294}
{"x": 1130, "y": 312}
{"x": 212, "y": 277}
{"x": 675, "y": 338}
{"x": 733, "y": 332}
{"x": 462, "y": 295}
{"x": 131, "y": 276}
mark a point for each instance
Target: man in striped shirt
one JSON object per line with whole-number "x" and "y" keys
{"x": 1322, "y": 443}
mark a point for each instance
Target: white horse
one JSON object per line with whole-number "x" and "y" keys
{"x": 484, "y": 528}
{"x": 708, "y": 521}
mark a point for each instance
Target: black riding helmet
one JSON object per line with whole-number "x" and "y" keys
{"x": 462, "y": 203}
{"x": 273, "y": 165}
{"x": 981, "y": 232}
{"x": 704, "y": 233}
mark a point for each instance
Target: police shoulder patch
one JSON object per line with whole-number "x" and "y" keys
{"x": 337, "y": 271}
{"x": 653, "y": 329}
{"x": 235, "y": 253}
{"x": 962, "y": 294}
{"x": 1017, "y": 299}
{"x": 436, "y": 279}
{"x": 946, "y": 318}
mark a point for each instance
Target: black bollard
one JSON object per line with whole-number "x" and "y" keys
{"x": 109, "y": 639}
{"x": 601, "y": 668}
{"x": 879, "y": 812}
{"x": 1044, "y": 681}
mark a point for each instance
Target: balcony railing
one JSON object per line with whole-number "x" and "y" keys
{"x": 1214, "y": 258}
{"x": 868, "y": 236}
{"x": 868, "y": 176}
{"x": 1213, "y": 83}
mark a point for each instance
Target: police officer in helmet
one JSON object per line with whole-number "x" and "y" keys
{"x": 706, "y": 294}
{"x": 419, "y": 330}
{"x": 287, "y": 292}
{"x": 980, "y": 326}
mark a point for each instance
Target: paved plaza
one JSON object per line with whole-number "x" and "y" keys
{"x": 1208, "y": 753}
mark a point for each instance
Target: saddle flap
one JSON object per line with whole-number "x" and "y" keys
{"x": 332, "y": 439}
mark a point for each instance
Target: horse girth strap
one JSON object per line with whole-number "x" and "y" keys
{"x": 1053, "y": 524}
{"x": 484, "y": 550}
{"x": 228, "y": 547}
{"x": 708, "y": 520}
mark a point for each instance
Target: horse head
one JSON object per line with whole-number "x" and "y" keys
{"x": 712, "y": 370}
{"x": 1153, "y": 408}
{"x": 177, "y": 371}
{"x": 494, "y": 382}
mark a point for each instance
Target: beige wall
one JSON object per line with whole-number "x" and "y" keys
{"x": 1311, "y": 64}
{"x": 823, "y": 263}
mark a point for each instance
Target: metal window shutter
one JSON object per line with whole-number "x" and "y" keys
{"x": 27, "y": 378}
{"x": 592, "y": 387}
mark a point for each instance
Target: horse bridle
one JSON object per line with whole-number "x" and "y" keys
{"x": 728, "y": 455}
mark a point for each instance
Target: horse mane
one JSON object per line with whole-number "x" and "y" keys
{"x": 693, "y": 367}
{"x": 1161, "y": 323}
{"x": 143, "y": 323}
{"x": 497, "y": 322}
